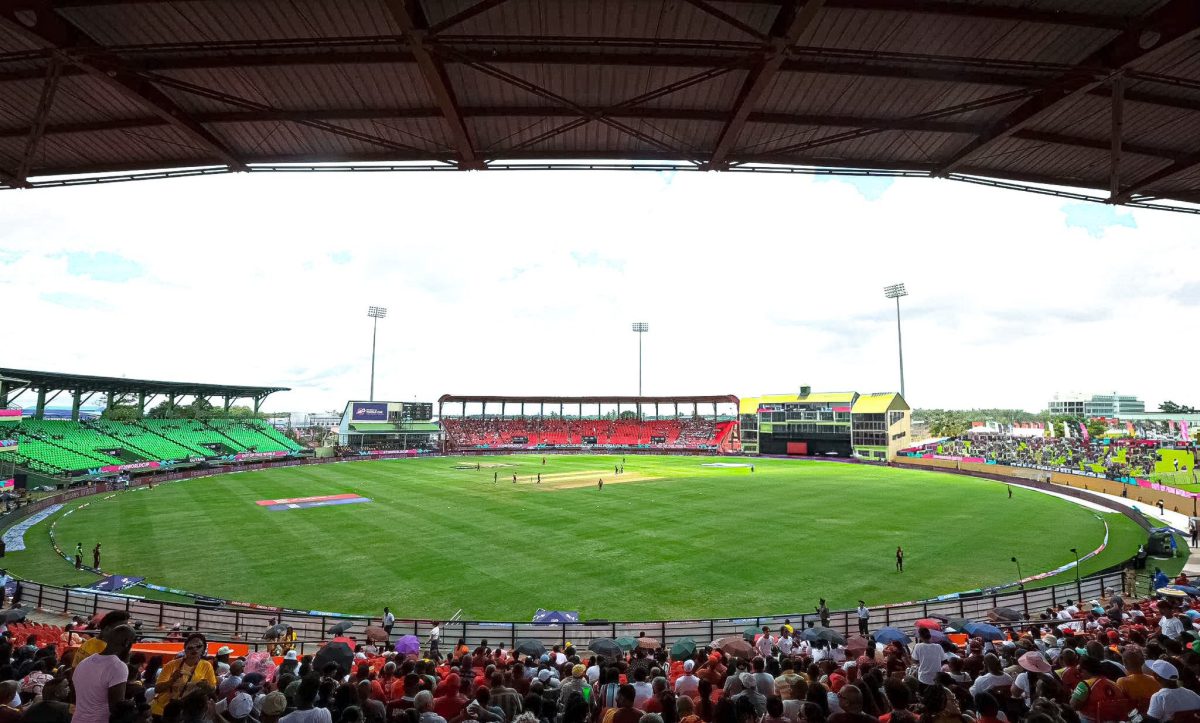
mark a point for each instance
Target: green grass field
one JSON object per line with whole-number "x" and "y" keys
{"x": 667, "y": 539}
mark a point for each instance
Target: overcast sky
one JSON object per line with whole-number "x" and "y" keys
{"x": 526, "y": 283}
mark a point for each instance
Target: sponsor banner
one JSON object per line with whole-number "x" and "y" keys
{"x": 14, "y": 537}
{"x": 769, "y": 408}
{"x": 389, "y": 452}
{"x": 247, "y": 456}
{"x": 341, "y": 500}
{"x": 108, "y": 469}
{"x": 8, "y": 445}
{"x": 369, "y": 412}
{"x": 297, "y": 500}
{"x": 7, "y": 484}
{"x": 841, "y": 409}
{"x": 113, "y": 583}
{"x": 1164, "y": 488}
{"x": 954, "y": 458}
{"x": 9, "y": 415}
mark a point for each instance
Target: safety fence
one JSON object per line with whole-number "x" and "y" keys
{"x": 248, "y": 625}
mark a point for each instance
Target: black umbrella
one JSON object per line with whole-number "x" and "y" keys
{"x": 606, "y": 647}
{"x": 15, "y": 615}
{"x": 829, "y": 635}
{"x": 1007, "y": 614}
{"x": 340, "y": 628}
{"x": 275, "y": 631}
{"x": 339, "y": 653}
{"x": 529, "y": 647}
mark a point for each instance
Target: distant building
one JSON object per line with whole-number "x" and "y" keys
{"x": 844, "y": 424}
{"x": 322, "y": 419}
{"x": 1097, "y": 405}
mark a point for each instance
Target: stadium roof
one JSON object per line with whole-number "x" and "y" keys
{"x": 51, "y": 381}
{"x": 879, "y": 403}
{"x": 491, "y": 399}
{"x": 1099, "y": 95}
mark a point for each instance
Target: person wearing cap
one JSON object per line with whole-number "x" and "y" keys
{"x": 751, "y": 694}
{"x": 1171, "y": 699}
{"x": 273, "y": 706}
{"x": 687, "y": 684}
{"x": 233, "y": 679}
{"x": 573, "y": 684}
{"x": 237, "y": 708}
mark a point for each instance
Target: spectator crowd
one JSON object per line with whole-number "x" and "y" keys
{"x": 1105, "y": 660}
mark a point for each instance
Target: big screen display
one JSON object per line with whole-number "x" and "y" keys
{"x": 369, "y": 412}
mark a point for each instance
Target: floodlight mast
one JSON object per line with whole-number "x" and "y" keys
{"x": 640, "y": 327}
{"x": 895, "y": 291}
{"x": 376, "y": 313}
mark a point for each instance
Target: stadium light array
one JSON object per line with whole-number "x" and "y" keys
{"x": 640, "y": 327}
{"x": 376, "y": 313}
{"x": 895, "y": 291}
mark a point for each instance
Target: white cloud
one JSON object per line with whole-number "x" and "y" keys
{"x": 527, "y": 282}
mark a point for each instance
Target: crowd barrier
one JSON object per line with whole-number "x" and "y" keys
{"x": 248, "y": 623}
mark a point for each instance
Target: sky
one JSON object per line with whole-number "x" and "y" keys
{"x": 527, "y": 282}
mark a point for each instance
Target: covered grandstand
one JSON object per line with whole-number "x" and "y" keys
{"x": 1100, "y": 97}
{"x": 78, "y": 447}
{"x": 692, "y": 424}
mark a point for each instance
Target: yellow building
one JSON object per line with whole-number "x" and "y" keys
{"x": 843, "y": 424}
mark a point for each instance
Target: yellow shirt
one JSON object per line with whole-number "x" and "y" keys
{"x": 1139, "y": 687}
{"x": 165, "y": 692}
{"x": 90, "y": 647}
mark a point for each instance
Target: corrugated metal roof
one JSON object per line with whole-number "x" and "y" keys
{"x": 893, "y": 85}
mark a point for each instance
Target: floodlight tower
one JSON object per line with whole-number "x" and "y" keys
{"x": 640, "y": 327}
{"x": 376, "y": 313}
{"x": 895, "y": 291}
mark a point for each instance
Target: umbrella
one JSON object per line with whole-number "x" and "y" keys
{"x": 606, "y": 647}
{"x": 340, "y": 628}
{"x": 1004, "y": 614}
{"x": 1193, "y": 591}
{"x": 959, "y": 623}
{"x": 408, "y": 645}
{"x": 939, "y": 638}
{"x": 856, "y": 645}
{"x": 750, "y": 634}
{"x": 683, "y": 649}
{"x": 339, "y": 653}
{"x": 888, "y": 636}
{"x": 342, "y": 639}
{"x": 983, "y": 630}
{"x": 14, "y": 615}
{"x": 1170, "y": 592}
{"x": 929, "y": 623}
{"x": 627, "y": 643}
{"x": 821, "y": 632}
{"x": 275, "y": 631}
{"x": 1193, "y": 614}
{"x": 260, "y": 662}
{"x": 648, "y": 643}
{"x": 734, "y": 646}
{"x": 529, "y": 646}
{"x": 376, "y": 634}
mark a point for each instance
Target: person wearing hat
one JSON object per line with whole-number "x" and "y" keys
{"x": 573, "y": 684}
{"x": 1171, "y": 699}
{"x": 272, "y": 708}
{"x": 233, "y": 678}
{"x": 687, "y": 684}
{"x": 751, "y": 694}
{"x": 1033, "y": 665}
{"x": 237, "y": 708}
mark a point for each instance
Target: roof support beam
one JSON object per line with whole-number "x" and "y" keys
{"x": 1118, "y": 128}
{"x": 1166, "y": 29}
{"x": 459, "y": 18}
{"x": 411, "y": 18}
{"x": 727, "y": 19}
{"x": 1186, "y": 164}
{"x": 38, "y": 127}
{"x": 44, "y": 26}
{"x": 792, "y": 20}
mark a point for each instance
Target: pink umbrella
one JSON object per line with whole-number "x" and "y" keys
{"x": 260, "y": 662}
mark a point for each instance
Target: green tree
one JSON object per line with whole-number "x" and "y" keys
{"x": 1096, "y": 428}
{"x": 122, "y": 409}
{"x": 948, "y": 423}
{"x": 166, "y": 410}
{"x": 1173, "y": 408}
{"x": 201, "y": 408}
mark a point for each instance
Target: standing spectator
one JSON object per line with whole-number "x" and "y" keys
{"x": 389, "y": 621}
{"x": 929, "y": 660}
{"x": 864, "y": 615}
{"x": 78, "y": 555}
{"x": 899, "y": 559}
{"x": 96, "y": 556}
{"x": 764, "y": 643}
{"x": 100, "y": 679}
{"x": 823, "y": 612}
{"x": 687, "y": 684}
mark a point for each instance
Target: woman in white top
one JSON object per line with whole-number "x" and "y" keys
{"x": 993, "y": 676}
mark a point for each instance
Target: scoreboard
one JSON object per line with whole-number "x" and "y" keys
{"x": 416, "y": 411}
